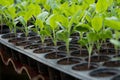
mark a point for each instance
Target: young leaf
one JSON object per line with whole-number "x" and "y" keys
{"x": 62, "y": 35}
{"x": 82, "y": 28}
{"x": 105, "y": 34}
{"x": 115, "y": 42}
{"x": 113, "y": 24}
{"x": 42, "y": 16}
{"x": 21, "y": 19}
{"x": 83, "y": 42}
{"x": 92, "y": 37}
{"x": 89, "y": 1}
{"x": 52, "y": 21}
{"x": 97, "y": 23}
{"x": 101, "y": 6}
{"x": 39, "y": 23}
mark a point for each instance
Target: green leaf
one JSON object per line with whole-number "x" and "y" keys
{"x": 116, "y": 35}
{"x": 6, "y": 2}
{"x": 63, "y": 20}
{"x": 92, "y": 37}
{"x": 43, "y": 33}
{"x": 42, "y": 16}
{"x": 97, "y": 22}
{"x": 82, "y": 28}
{"x": 21, "y": 19}
{"x": 27, "y": 15}
{"x": 74, "y": 17}
{"x": 114, "y": 24}
{"x": 35, "y": 9}
{"x": 115, "y": 42}
{"x": 105, "y": 34}
{"x": 83, "y": 42}
{"x": 39, "y": 23}
{"x": 62, "y": 35}
{"x": 101, "y": 6}
{"x": 52, "y": 21}
{"x": 89, "y": 1}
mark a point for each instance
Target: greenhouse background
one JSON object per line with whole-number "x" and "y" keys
{"x": 60, "y": 39}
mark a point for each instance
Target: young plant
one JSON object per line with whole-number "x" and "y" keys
{"x": 64, "y": 36}
{"x": 114, "y": 23}
{"x": 41, "y": 27}
{"x": 52, "y": 21}
{"x": 89, "y": 42}
{"x": 2, "y": 17}
{"x": 27, "y": 28}
{"x": 82, "y": 29}
{"x": 11, "y": 14}
{"x": 27, "y": 11}
{"x": 65, "y": 22}
{"x": 97, "y": 24}
{"x": 115, "y": 41}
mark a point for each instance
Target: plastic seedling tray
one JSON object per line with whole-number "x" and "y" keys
{"x": 84, "y": 75}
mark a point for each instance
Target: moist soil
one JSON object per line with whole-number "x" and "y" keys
{"x": 55, "y": 55}
{"x": 42, "y": 50}
{"x": 52, "y": 44}
{"x": 98, "y": 58}
{"x": 15, "y": 40}
{"x": 77, "y": 53}
{"x": 8, "y": 36}
{"x": 112, "y": 64}
{"x": 32, "y": 46}
{"x": 69, "y": 61}
{"x": 29, "y": 34}
{"x": 84, "y": 67}
{"x": 63, "y": 48}
{"x": 36, "y": 38}
{"x": 23, "y": 43}
{"x": 109, "y": 51}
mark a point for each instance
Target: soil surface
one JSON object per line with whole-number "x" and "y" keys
{"x": 69, "y": 61}
{"x": 112, "y": 64}
{"x": 84, "y": 67}
{"x": 55, "y": 55}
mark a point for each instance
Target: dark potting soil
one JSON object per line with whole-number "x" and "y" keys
{"x": 98, "y": 58}
{"x": 32, "y": 46}
{"x": 55, "y": 55}
{"x": 36, "y": 38}
{"x": 63, "y": 48}
{"x": 112, "y": 63}
{"x": 52, "y": 44}
{"x": 15, "y": 40}
{"x": 107, "y": 45}
{"x": 42, "y": 50}
{"x": 47, "y": 40}
{"x": 69, "y": 61}
{"x": 29, "y": 34}
{"x": 103, "y": 73}
{"x": 84, "y": 67}
{"x": 24, "y": 43}
{"x": 109, "y": 51}
{"x": 4, "y": 31}
{"x": 77, "y": 53}
{"x": 8, "y": 35}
